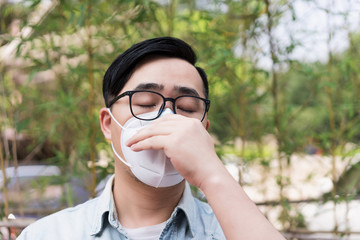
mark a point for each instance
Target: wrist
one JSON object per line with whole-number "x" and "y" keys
{"x": 215, "y": 179}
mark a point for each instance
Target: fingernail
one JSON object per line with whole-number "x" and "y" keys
{"x": 133, "y": 147}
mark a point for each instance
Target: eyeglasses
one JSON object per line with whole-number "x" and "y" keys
{"x": 142, "y": 102}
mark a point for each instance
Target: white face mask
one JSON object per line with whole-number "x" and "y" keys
{"x": 151, "y": 167}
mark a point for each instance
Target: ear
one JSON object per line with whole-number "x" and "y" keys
{"x": 105, "y": 123}
{"x": 207, "y": 124}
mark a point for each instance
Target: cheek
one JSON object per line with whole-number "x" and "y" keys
{"x": 122, "y": 114}
{"x": 116, "y": 130}
{"x": 115, "y": 138}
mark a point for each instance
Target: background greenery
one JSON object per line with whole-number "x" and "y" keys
{"x": 51, "y": 85}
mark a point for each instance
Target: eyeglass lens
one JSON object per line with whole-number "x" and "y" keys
{"x": 145, "y": 102}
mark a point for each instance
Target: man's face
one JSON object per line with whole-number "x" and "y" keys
{"x": 171, "y": 77}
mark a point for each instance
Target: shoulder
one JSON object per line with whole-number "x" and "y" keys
{"x": 64, "y": 224}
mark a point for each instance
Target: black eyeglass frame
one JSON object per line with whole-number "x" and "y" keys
{"x": 173, "y": 100}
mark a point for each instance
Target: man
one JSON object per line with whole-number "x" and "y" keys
{"x": 156, "y": 120}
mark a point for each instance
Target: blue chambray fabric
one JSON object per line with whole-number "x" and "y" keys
{"x": 97, "y": 219}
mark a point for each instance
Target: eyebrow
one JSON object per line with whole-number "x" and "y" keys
{"x": 149, "y": 86}
{"x": 186, "y": 91}
{"x": 158, "y": 87}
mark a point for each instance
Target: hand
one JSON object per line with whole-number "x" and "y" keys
{"x": 185, "y": 141}
{"x": 191, "y": 150}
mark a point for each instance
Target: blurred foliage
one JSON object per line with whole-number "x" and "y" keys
{"x": 299, "y": 103}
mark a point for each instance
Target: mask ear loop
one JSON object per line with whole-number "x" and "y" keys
{"x": 113, "y": 118}
{"x": 116, "y": 154}
{"x": 112, "y": 145}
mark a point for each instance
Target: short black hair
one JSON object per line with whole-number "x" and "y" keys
{"x": 125, "y": 64}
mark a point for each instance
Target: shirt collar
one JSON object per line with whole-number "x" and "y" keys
{"x": 187, "y": 205}
{"x": 105, "y": 204}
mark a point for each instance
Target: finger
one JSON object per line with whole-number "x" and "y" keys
{"x": 163, "y": 127}
{"x": 155, "y": 142}
{"x": 147, "y": 132}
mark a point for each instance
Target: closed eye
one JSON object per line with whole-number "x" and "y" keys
{"x": 146, "y": 106}
{"x": 185, "y": 110}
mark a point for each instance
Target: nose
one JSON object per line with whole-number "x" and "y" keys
{"x": 169, "y": 103}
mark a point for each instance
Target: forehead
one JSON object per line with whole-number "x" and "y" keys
{"x": 171, "y": 74}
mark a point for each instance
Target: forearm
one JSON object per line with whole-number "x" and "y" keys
{"x": 239, "y": 217}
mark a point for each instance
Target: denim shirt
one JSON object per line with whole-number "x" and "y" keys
{"x": 97, "y": 219}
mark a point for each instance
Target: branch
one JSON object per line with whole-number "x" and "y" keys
{"x": 7, "y": 51}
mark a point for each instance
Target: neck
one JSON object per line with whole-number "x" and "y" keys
{"x": 140, "y": 205}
